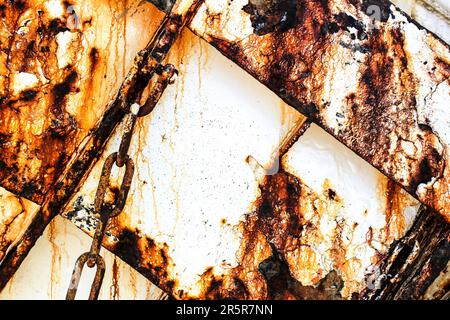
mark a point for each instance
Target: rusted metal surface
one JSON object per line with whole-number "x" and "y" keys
{"x": 147, "y": 64}
{"x": 45, "y": 273}
{"x": 92, "y": 258}
{"x": 302, "y": 232}
{"x": 56, "y": 83}
{"x": 163, "y": 5}
{"x": 432, "y": 14}
{"x": 99, "y": 21}
{"x": 417, "y": 266}
{"x": 379, "y": 84}
{"x": 215, "y": 214}
{"x": 99, "y": 264}
{"x": 131, "y": 90}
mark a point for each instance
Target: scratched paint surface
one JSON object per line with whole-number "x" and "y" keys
{"x": 381, "y": 86}
{"x": 61, "y": 63}
{"x": 194, "y": 173}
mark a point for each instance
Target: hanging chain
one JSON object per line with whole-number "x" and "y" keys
{"x": 147, "y": 63}
{"x": 103, "y": 211}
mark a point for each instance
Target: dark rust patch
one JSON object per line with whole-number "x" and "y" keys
{"x": 128, "y": 247}
{"x": 28, "y": 95}
{"x": 263, "y": 272}
{"x": 270, "y": 15}
{"x": 282, "y": 286}
{"x": 430, "y": 166}
{"x": 61, "y": 90}
{"x": 410, "y": 271}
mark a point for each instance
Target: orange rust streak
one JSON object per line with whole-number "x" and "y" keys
{"x": 70, "y": 64}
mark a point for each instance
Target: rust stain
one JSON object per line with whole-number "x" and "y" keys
{"x": 42, "y": 137}
{"x": 277, "y": 258}
{"x": 56, "y": 259}
{"x": 395, "y": 205}
{"x": 271, "y": 235}
{"x": 55, "y": 85}
{"x": 114, "y": 293}
{"x": 295, "y": 49}
{"x": 278, "y": 234}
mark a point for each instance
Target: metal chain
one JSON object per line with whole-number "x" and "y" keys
{"x": 147, "y": 64}
{"x": 121, "y": 159}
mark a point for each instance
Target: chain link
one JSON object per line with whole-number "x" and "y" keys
{"x": 105, "y": 211}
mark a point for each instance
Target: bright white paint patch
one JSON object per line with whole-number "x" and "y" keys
{"x": 54, "y": 8}
{"x": 230, "y": 22}
{"x": 321, "y": 162}
{"x": 64, "y": 53}
{"x": 22, "y": 81}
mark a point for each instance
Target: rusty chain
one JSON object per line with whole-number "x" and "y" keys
{"x": 121, "y": 158}
{"x": 147, "y": 64}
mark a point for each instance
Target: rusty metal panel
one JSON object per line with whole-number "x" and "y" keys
{"x": 363, "y": 71}
{"x": 61, "y": 62}
{"x": 416, "y": 267}
{"x": 16, "y": 214}
{"x": 190, "y": 169}
{"x": 214, "y": 214}
{"x": 46, "y": 271}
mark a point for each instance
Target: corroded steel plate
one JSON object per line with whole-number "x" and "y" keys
{"x": 235, "y": 196}
{"x": 61, "y": 62}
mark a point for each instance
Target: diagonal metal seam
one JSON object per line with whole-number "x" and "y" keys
{"x": 131, "y": 89}
{"x": 38, "y": 224}
{"x": 408, "y": 271}
{"x": 407, "y": 141}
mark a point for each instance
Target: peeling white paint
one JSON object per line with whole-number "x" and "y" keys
{"x": 322, "y": 163}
